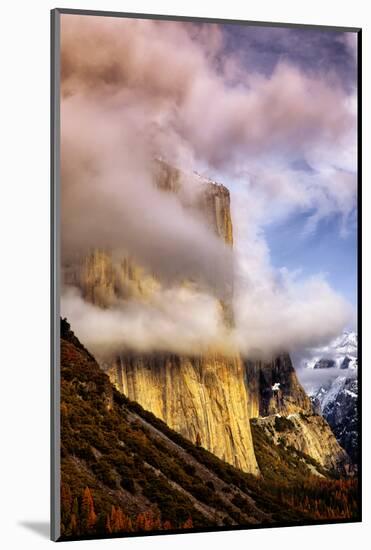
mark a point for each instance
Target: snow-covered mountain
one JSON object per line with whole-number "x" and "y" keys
{"x": 340, "y": 353}
{"x": 337, "y": 403}
{"x": 334, "y": 388}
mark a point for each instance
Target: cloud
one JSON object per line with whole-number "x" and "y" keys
{"x": 180, "y": 94}
{"x": 270, "y": 317}
{"x": 312, "y": 379}
{"x": 287, "y": 314}
{"x": 184, "y": 90}
{"x": 110, "y": 200}
{"x": 177, "y": 320}
{"x": 136, "y": 90}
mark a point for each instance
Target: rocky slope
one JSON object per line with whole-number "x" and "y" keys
{"x": 125, "y": 471}
{"x": 309, "y": 434}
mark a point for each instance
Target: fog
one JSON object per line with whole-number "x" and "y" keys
{"x": 134, "y": 91}
{"x": 110, "y": 200}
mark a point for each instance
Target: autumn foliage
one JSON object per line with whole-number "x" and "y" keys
{"x": 80, "y": 519}
{"x": 125, "y": 471}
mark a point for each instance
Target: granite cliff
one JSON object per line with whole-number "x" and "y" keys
{"x": 204, "y": 398}
{"x": 209, "y": 398}
{"x": 277, "y": 389}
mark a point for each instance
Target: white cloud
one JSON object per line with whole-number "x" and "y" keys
{"x": 125, "y": 103}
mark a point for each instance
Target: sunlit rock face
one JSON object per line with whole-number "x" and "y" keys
{"x": 104, "y": 278}
{"x": 208, "y": 398}
{"x": 286, "y": 414}
{"x": 203, "y": 398}
{"x": 310, "y": 434}
{"x": 210, "y": 199}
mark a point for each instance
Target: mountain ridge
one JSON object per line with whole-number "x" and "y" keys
{"x": 125, "y": 471}
{"x": 336, "y": 398}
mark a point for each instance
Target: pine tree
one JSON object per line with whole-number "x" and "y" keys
{"x": 75, "y": 517}
{"x": 73, "y": 524}
{"x": 140, "y": 522}
{"x": 66, "y": 502}
{"x": 120, "y": 520}
{"x": 89, "y": 517}
{"x": 147, "y": 520}
{"x": 188, "y": 524}
{"x": 167, "y": 525}
{"x": 108, "y": 524}
{"x": 116, "y": 523}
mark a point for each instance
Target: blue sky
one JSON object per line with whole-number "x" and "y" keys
{"x": 320, "y": 51}
{"x": 325, "y": 250}
{"x": 330, "y": 247}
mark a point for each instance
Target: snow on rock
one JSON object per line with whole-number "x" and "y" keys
{"x": 339, "y": 353}
{"x": 337, "y": 402}
{"x": 334, "y": 388}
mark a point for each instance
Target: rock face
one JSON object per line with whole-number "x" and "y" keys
{"x": 211, "y": 199}
{"x": 276, "y": 387}
{"x": 203, "y": 398}
{"x": 209, "y": 399}
{"x": 104, "y": 279}
{"x": 286, "y": 414}
{"x": 309, "y": 434}
{"x": 325, "y": 364}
